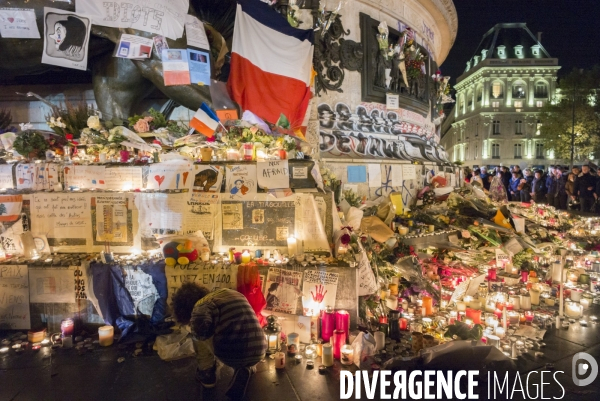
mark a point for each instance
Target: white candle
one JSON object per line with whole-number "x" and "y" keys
{"x": 347, "y": 355}
{"x": 461, "y": 306}
{"x": 106, "y": 335}
{"x": 573, "y": 309}
{"x": 379, "y": 340}
{"x": 576, "y": 294}
{"x": 327, "y": 357}
{"x": 500, "y": 332}
{"x": 515, "y": 300}
{"x": 292, "y": 245}
{"x": 535, "y": 296}
{"x": 280, "y": 360}
{"x": 585, "y": 303}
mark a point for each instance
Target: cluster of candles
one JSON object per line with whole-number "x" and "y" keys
{"x": 249, "y": 152}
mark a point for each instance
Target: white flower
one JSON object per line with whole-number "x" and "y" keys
{"x": 94, "y": 123}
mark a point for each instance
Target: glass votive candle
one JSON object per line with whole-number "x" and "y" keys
{"x": 461, "y": 306}
{"x": 293, "y": 343}
{"x": 279, "y": 360}
{"x": 452, "y": 316}
{"x": 493, "y": 340}
{"x": 513, "y": 317}
{"x": 525, "y": 302}
{"x": 515, "y": 300}
{"x": 491, "y": 320}
{"x": 500, "y": 332}
{"x": 534, "y": 294}
{"x": 529, "y": 316}
{"x": 548, "y": 300}
{"x": 573, "y": 309}
{"x": 106, "y": 335}
{"x": 474, "y": 315}
{"x": 327, "y": 358}
{"x": 576, "y": 294}
{"x": 347, "y": 355}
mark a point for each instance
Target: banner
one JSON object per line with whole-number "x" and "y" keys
{"x": 161, "y": 17}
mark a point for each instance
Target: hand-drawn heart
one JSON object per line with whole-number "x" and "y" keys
{"x": 21, "y": 180}
{"x": 11, "y": 20}
{"x": 160, "y": 179}
{"x": 185, "y": 175}
{"x": 101, "y": 182}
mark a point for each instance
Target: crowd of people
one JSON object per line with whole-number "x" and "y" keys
{"x": 578, "y": 189}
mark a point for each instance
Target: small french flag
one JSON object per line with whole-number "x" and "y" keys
{"x": 205, "y": 121}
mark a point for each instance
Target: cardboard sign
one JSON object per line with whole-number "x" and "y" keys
{"x": 273, "y": 174}
{"x": 14, "y": 297}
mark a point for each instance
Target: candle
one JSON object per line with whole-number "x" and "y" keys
{"x": 461, "y": 306}
{"x": 515, "y": 300}
{"x": 292, "y": 245}
{"x": 338, "y": 340}
{"x": 327, "y": 358}
{"x": 327, "y": 324}
{"x": 493, "y": 340}
{"x": 279, "y": 360}
{"x": 557, "y": 271}
{"x": 492, "y": 274}
{"x": 347, "y": 355}
{"x": 535, "y": 296}
{"x": 474, "y": 315}
{"x": 320, "y": 348}
{"x": 491, "y": 320}
{"x": 595, "y": 287}
{"x": 585, "y": 303}
{"x": 233, "y": 154}
{"x": 342, "y": 321}
{"x": 392, "y": 303}
{"x": 66, "y": 327}
{"x": 513, "y": 317}
{"x": 293, "y": 343}
{"x": 403, "y": 322}
{"x": 525, "y": 302}
{"x": 67, "y": 342}
{"x": 431, "y": 228}
{"x": 550, "y": 301}
{"x": 573, "y": 309}
{"x": 106, "y": 335}
{"x": 402, "y": 230}
{"x": 393, "y": 287}
{"x": 524, "y": 275}
{"x": 500, "y": 331}
{"x": 576, "y": 294}
{"x": 379, "y": 340}
{"x": 504, "y": 320}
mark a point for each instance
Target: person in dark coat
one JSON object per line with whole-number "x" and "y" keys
{"x": 551, "y": 185}
{"x": 525, "y": 186}
{"x": 513, "y": 186}
{"x": 506, "y": 177}
{"x": 560, "y": 195}
{"x": 485, "y": 178}
{"x": 585, "y": 188}
{"x": 538, "y": 188}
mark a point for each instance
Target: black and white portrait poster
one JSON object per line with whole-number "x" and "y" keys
{"x": 66, "y": 38}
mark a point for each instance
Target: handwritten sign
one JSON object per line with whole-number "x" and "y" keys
{"x": 84, "y": 177}
{"x": 366, "y": 278}
{"x": 300, "y": 173}
{"x": 201, "y": 213}
{"x": 409, "y": 172}
{"x": 206, "y": 274}
{"x": 52, "y": 284}
{"x": 273, "y": 174}
{"x": 80, "y": 278}
{"x": 14, "y": 297}
{"x": 282, "y": 290}
{"x": 18, "y": 23}
{"x": 161, "y": 17}
{"x": 310, "y": 228}
{"x": 140, "y": 286}
{"x": 318, "y": 291}
{"x": 240, "y": 180}
{"x": 6, "y": 176}
{"x": 123, "y": 178}
{"x": 158, "y": 212}
{"x": 64, "y": 218}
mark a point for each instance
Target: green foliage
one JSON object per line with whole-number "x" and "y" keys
{"x": 159, "y": 121}
{"x": 556, "y": 117}
{"x": 30, "y": 143}
{"x": 352, "y": 198}
{"x": 74, "y": 116}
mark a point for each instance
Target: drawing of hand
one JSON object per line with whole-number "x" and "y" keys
{"x": 319, "y": 295}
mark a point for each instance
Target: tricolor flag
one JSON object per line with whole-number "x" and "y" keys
{"x": 271, "y": 64}
{"x": 205, "y": 121}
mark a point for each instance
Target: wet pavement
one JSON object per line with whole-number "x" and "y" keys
{"x": 99, "y": 374}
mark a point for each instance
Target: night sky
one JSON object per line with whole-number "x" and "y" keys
{"x": 571, "y": 29}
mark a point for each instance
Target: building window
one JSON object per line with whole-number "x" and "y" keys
{"x": 497, "y": 90}
{"x": 539, "y": 103}
{"x": 518, "y": 104}
{"x": 518, "y": 127}
{"x": 541, "y": 90}
{"x": 495, "y": 151}
{"x": 518, "y": 92}
{"x": 538, "y": 126}
{"x": 501, "y": 51}
{"x": 477, "y": 130}
{"x": 518, "y": 148}
{"x": 496, "y": 104}
{"x": 479, "y": 95}
{"x": 519, "y": 51}
{"x": 496, "y": 127}
{"x": 539, "y": 150}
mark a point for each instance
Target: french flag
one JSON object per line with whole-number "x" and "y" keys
{"x": 271, "y": 64}
{"x": 205, "y": 121}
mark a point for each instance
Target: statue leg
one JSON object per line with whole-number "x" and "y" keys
{"x": 118, "y": 85}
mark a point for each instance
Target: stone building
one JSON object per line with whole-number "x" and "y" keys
{"x": 498, "y": 98}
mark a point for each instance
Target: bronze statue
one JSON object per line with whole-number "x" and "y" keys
{"x": 120, "y": 83}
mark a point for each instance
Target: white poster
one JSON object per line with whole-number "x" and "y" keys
{"x": 157, "y": 211}
{"x": 397, "y": 177}
{"x": 210, "y": 276}
{"x": 142, "y": 289}
{"x": 240, "y": 180}
{"x": 134, "y": 47}
{"x": 161, "y": 17}
{"x": 111, "y": 218}
{"x": 6, "y": 176}
{"x": 18, "y": 23}
{"x": 201, "y": 213}
{"x": 195, "y": 33}
{"x": 374, "y": 175}
{"x": 66, "y": 38}
{"x": 14, "y": 298}
{"x": 173, "y": 174}
{"x": 318, "y": 291}
{"x": 409, "y": 172}
{"x": 76, "y": 176}
{"x": 273, "y": 174}
{"x": 51, "y": 285}
{"x": 123, "y": 178}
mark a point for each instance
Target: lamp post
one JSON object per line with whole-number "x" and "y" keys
{"x": 573, "y": 123}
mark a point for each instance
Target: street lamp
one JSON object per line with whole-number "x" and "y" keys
{"x": 573, "y": 124}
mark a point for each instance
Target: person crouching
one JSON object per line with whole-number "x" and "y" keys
{"x": 224, "y": 326}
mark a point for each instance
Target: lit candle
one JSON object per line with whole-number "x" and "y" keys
{"x": 548, "y": 300}
{"x": 515, "y": 300}
{"x": 573, "y": 309}
{"x": 327, "y": 358}
{"x": 585, "y": 303}
{"x": 342, "y": 321}
{"x": 106, "y": 335}
{"x": 576, "y": 294}
{"x": 327, "y": 324}
{"x": 347, "y": 355}
{"x": 293, "y": 343}
{"x": 529, "y": 316}
{"x": 292, "y": 245}
{"x": 339, "y": 339}
{"x": 246, "y": 256}
{"x": 403, "y": 322}
{"x": 461, "y": 306}
{"x": 513, "y": 317}
{"x": 474, "y": 315}
{"x": 491, "y": 320}
{"x": 500, "y": 331}
{"x": 525, "y": 302}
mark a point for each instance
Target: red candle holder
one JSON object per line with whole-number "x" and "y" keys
{"x": 524, "y": 276}
{"x": 529, "y": 316}
{"x": 339, "y": 339}
{"x": 383, "y": 319}
{"x": 492, "y": 274}
{"x": 474, "y": 315}
{"x": 403, "y": 322}
{"x": 342, "y": 321}
{"x": 327, "y": 325}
